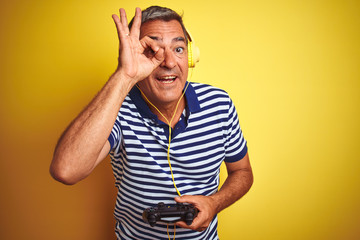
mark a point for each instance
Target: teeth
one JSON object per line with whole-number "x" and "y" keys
{"x": 167, "y": 79}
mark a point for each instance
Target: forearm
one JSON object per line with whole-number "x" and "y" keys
{"x": 236, "y": 185}
{"x": 79, "y": 147}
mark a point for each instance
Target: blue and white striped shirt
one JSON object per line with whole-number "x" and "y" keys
{"x": 207, "y": 134}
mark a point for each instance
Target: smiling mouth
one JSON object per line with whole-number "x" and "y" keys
{"x": 166, "y": 79}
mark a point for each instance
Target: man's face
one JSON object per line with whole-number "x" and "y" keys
{"x": 165, "y": 84}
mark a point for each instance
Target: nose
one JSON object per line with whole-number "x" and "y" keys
{"x": 169, "y": 59}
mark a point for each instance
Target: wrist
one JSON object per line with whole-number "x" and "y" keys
{"x": 130, "y": 75}
{"x": 123, "y": 80}
{"x": 215, "y": 202}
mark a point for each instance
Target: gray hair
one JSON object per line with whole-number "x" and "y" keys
{"x": 161, "y": 13}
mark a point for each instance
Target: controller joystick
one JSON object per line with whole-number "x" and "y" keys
{"x": 189, "y": 218}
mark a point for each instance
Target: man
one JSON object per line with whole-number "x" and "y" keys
{"x": 152, "y": 163}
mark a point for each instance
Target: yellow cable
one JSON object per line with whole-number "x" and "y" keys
{"x": 168, "y": 151}
{"x": 169, "y": 123}
{"x": 167, "y": 230}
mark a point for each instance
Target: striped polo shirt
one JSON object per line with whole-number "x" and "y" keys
{"x": 207, "y": 134}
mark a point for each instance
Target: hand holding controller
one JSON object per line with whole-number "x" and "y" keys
{"x": 168, "y": 212}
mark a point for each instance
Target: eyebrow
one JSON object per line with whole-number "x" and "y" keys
{"x": 177, "y": 39}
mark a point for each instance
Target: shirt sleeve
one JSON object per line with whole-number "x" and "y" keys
{"x": 115, "y": 135}
{"x": 235, "y": 143}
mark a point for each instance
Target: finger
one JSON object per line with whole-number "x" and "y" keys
{"x": 149, "y": 44}
{"x": 120, "y": 28}
{"x": 117, "y": 23}
{"x": 197, "y": 222}
{"x": 159, "y": 56}
{"x": 182, "y": 224}
{"x": 135, "y": 28}
{"x": 124, "y": 21}
{"x": 194, "y": 226}
{"x": 184, "y": 199}
{"x": 200, "y": 229}
{"x": 152, "y": 50}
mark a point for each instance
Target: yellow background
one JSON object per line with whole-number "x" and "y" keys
{"x": 291, "y": 67}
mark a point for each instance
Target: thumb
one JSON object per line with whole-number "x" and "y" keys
{"x": 183, "y": 199}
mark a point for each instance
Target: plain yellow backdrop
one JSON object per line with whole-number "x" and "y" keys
{"x": 291, "y": 68}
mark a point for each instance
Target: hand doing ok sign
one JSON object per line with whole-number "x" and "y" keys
{"x": 132, "y": 62}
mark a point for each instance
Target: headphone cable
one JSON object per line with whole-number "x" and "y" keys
{"x": 169, "y": 123}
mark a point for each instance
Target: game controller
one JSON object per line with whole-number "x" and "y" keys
{"x": 170, "y": 213}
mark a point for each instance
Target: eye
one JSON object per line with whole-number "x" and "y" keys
{"x": 179, "y": 50}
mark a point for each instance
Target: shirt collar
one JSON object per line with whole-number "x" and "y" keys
{"x": 192, "y": 102}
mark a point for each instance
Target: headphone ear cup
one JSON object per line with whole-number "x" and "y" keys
{"x": 190, "y": 55}
{"x": 193, "y": 54}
